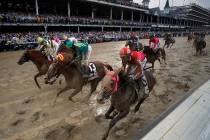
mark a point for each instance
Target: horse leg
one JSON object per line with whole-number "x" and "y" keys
{"x": 114, "y": 121}
{"x": 159, "y": 61}
{"x": 153, "y": 66}
{"x": 35, "y": 79}
{"x": 61, "y": 91}
{"x": 164, "y": 46}
{"x": 107, "y": 114}
{"x": 140, "y": 102}
{"x": 94, "y": 85}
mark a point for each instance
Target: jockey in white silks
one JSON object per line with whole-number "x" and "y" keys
{"x": 49, "y": 47}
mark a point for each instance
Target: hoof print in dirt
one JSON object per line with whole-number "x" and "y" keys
{"x": 99, "y": 118}
{"x": 21, "y": 112}
{"x": 17, "y": 122}
{"x": 60, "y": 133}
{"x": 136, "y": 120}
{"x": 29, "y": 100}
{"x": 35, "y": 117}
{"x": 120, "y": 133}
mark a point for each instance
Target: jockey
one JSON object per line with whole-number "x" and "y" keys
{"x": 81, "y": 49}
{"x": 136, "y": 62}
{"x": 154, "y": 42}
{"x": 134, "y": 39}
{"x": 49, "y": 47}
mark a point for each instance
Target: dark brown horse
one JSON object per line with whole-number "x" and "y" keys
{"x": 199, "y": 44}
{"x": 123, "y": 95}
{"x": 169, "y": 41}
{"x": 73, "y": 76}
{"x": 153, "y": 56}
{"x": 39, "y": 59}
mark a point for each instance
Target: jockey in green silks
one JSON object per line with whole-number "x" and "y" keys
{"x": 82, "y": 50}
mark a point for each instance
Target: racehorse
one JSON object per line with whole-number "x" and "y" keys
{"x": 199, "y": 44}
{"x": 134, "y": 46}
{"x": 152, "y": 56}
{"x": 74, "y": 77}
{"x": 123, "y": 95}
{"x": 168, "y": 40}
{"x": 39, "y": 59}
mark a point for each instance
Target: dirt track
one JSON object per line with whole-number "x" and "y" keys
{"x": 27, "y": 112}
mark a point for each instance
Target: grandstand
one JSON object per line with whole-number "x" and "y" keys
{"x": 85, "y": 15}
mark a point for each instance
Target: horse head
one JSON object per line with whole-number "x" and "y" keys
{"x": 58, "y": 65}
{"x": 24, "y": 58}
{"x": 109, "y": 86}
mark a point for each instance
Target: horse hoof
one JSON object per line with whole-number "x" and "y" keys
{"x": 70, "y": 99}
{"x": 104, "y": 138}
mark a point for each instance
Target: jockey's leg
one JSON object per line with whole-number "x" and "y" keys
{"x": 145, "y": 83}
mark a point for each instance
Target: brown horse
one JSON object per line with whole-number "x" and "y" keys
{"x": 73, "y": 76}
{"x": 39, "y": 59}
{"x": 123, "y": 95}
{"x": 152, "y": 56}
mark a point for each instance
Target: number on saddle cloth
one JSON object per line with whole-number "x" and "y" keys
{"x": 92, "y": 69}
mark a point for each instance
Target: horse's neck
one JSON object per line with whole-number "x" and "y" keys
{"x": 125, "y": 96}
{"x": 38, "y": 60}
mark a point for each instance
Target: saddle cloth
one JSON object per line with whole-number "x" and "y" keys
{"x": 91, "y": 71}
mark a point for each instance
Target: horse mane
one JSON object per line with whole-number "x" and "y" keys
{"x": 36, "y": 53}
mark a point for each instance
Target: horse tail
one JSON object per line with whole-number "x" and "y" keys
{"x": 109, "y": 67}
{"x": 151, "y": 80}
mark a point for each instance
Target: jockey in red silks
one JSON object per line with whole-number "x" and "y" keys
{"x": 154, "y": 42}
{"x": 136, "y": 62}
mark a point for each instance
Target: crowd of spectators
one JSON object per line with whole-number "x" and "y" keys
{"x": 51, "y": 19}
{"x": 92, "y": 37}
{"x": 126, "y": 3}
{"x": 15, "y": 41}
